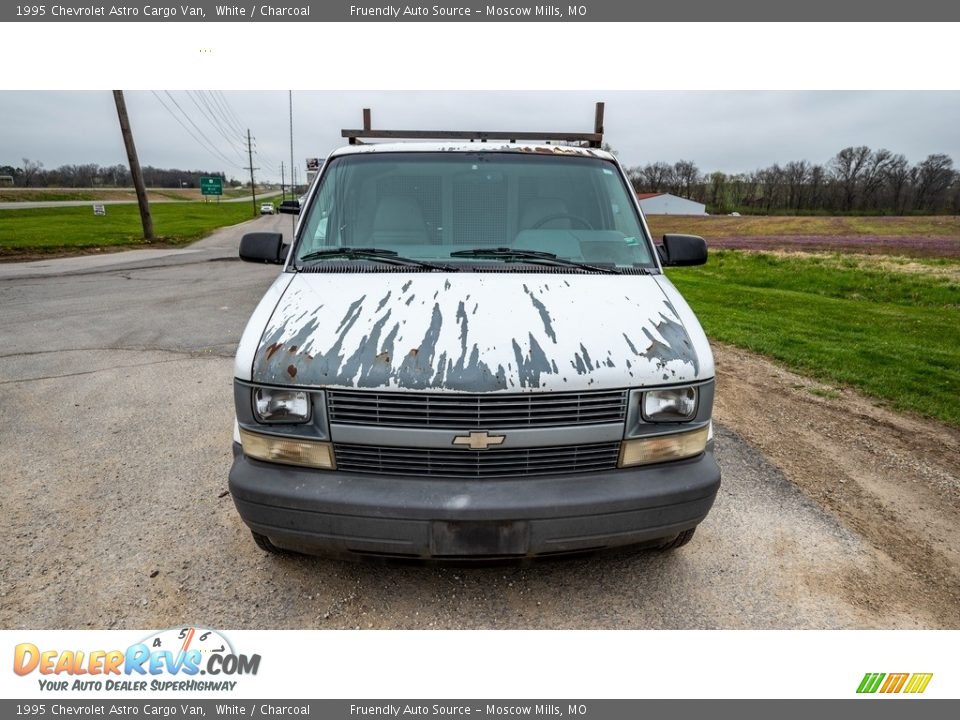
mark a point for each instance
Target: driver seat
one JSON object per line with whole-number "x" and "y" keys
{"x": 398, "y": 220}
{"x": 536, "y": 210}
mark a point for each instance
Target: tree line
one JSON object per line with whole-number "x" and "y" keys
{"x": 32, "y": 174}
{"x": 855, "y": 180}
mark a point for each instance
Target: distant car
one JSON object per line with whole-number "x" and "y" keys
{"x": 290, "y": 207}
{"x": 266, "y": 209}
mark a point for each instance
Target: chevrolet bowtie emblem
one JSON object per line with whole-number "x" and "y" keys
{"x": 479, "y": 440}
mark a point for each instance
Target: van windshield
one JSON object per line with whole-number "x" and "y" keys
{"x": 435, "y": 206}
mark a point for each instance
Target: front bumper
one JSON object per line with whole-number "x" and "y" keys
{"x": 331, "y": 512}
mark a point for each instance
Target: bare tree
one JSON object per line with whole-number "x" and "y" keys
{"x": 796, "y": 173}
{"x": 743, "y": 190}
{"x": 657, "y": 176}
{"x": 718, "y": 191}
{"x": 30, "y": 170}
{"x": 897, "y": 176}
{"x": 635, "y": 176}
{"x": 686, "y": 175}
{"x": 934, "y": 176}
{"x": 817, "y": 187}
{"x": 771, "y": 186}
{"x": 848, "y": 166}
{"x": 874, "y": 175}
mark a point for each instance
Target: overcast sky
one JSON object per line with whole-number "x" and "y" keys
{"x": 729, "y": 131}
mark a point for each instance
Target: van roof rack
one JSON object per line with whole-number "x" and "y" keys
{"x": 593, "y": 140}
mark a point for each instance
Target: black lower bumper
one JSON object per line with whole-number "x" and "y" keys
{"x": 334, "y": 512}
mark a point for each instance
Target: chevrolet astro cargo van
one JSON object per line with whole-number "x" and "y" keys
{"x": 471, "y": 352}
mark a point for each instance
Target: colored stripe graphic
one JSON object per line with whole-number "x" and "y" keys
{"x": 918, "y": 683}
{"x": 894, "y": 682}
{"x": 870, "y": 682}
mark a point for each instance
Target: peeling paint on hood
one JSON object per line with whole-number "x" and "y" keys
{"x": 476, "y": 333}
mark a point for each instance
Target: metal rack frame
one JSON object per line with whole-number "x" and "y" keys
{"x": 593, "y": 140}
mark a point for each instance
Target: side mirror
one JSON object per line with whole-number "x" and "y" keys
{"x": 290, "y": 207}
{"x": 680, "y": 250}
{"x": 263, "y": 247}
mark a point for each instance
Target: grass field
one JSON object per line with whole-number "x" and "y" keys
{"x": 723, "y": 226}
{"x": 99, "y": 194}
{"x": 51, "y": 230}
{"x": 924, "y": 237}
{"x": 892, "y": 332}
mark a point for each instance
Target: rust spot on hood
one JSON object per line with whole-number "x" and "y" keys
{"x": 273, "y": 349}
{"x": 292, "y": 371}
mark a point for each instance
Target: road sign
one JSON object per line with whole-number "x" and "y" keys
{"x": 99, "y": 209}
{"x": 211, "y": 186}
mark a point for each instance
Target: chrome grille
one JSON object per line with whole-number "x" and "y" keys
{"x": 475, "y": 464}
{"x": 472, "y": 412}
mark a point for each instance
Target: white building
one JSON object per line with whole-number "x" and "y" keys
{"x": 667, "y": 204}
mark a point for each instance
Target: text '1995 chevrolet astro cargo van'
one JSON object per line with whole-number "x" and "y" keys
{"x": 471, "y": 352}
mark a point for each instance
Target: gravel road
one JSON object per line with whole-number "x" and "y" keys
{"x": 115, "y": 432}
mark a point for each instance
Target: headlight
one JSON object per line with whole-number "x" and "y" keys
{"x": 273, "y": 405}
{"x": 663, "y": 448}
{"x": 672, "y": 405}
{"x": 288, "y": 451}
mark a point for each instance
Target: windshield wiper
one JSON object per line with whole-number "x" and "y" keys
{"x": 534, "y": 256}
{"x": 390, "y": 257}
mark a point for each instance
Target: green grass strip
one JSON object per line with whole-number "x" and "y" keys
{"x": 53, "y": 229}
{"x": 895, "y": 336}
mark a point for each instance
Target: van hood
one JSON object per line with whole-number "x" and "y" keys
{"x": 480, "y": 332}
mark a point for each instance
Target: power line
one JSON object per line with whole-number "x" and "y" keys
{"x": 230, "y": 110}
{"x": 198, "y": 129}
{"x": 224, "y": 114}
{"x": 218, "y": 112}
{"x": 190, "y": 120}
{"x": 268, "y": 165}
{"x": 216, "y": 123}
{"x": 230, "y": 118}
{"x": 210, "y": 150}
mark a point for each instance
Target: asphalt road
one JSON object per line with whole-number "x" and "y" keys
{"x": 115, "y": 433}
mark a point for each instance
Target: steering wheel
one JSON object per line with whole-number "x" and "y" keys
{"x": 562, "y": 216}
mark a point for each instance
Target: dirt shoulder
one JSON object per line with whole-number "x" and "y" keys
{"x": 892, "y": 478}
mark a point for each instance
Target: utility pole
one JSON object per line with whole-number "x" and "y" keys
{"x": 283, "y": 187}
{"x": 145, "y": 219}
{"x": 293, "y": 182}
{"x": 253, "y": 187}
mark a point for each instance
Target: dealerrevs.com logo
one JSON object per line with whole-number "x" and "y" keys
{"x": 892, "y": 683}
{"x": 168, "y": 660}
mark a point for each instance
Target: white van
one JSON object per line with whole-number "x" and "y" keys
{"x": 472, "y": 352}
